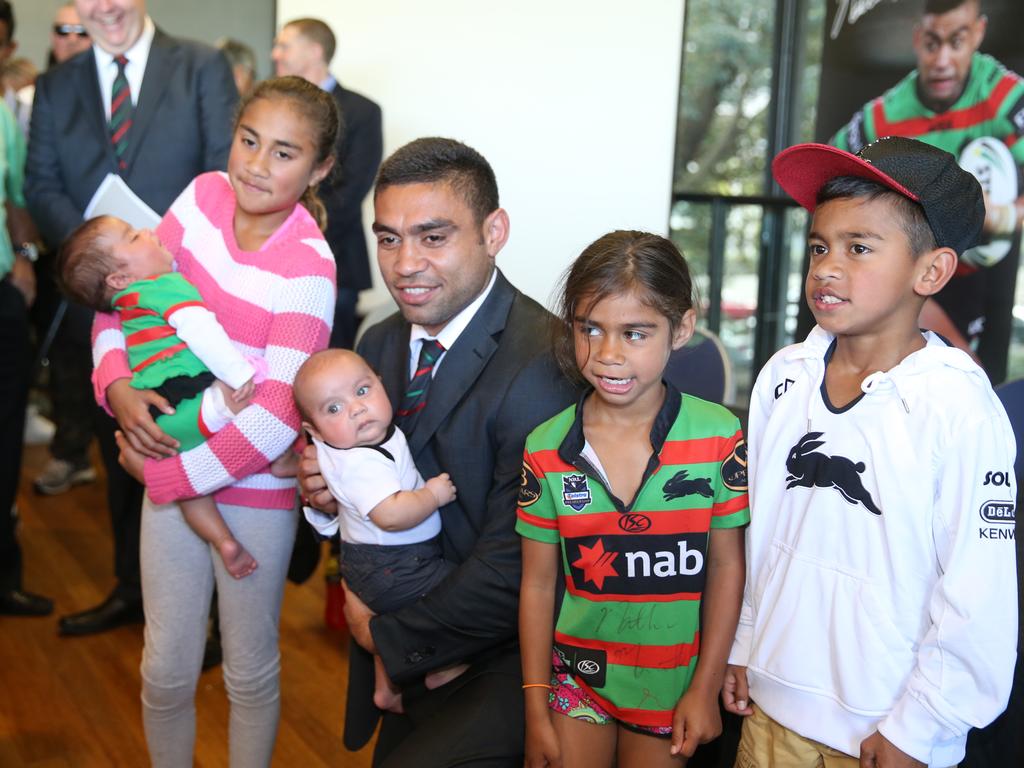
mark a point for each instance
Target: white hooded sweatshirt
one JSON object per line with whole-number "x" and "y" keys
{"x": 881, "y": 582}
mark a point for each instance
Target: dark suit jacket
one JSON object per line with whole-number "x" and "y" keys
{"x": 182, "y": 127}
{"x": 495, "y": 384}
{"x": 359, "y": 152}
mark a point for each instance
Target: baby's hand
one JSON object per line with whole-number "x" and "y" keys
{"x": 244, "y": 392}
{"x": 443, "y": 489}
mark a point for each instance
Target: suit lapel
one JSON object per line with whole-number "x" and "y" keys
{"x": 394, "y": 365}
{"x": 463, "y": 363}
{"x": 91, "y": 103}
{"x": 159, "y": 66}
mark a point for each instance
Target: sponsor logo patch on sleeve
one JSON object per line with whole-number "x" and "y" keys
{"x": 734, "y": 468}
{"x": 529, "y": 487}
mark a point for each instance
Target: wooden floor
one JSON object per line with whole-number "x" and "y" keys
{"x": 75, "y": 701}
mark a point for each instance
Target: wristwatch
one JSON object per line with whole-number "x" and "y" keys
{"x": 29, "y": 251}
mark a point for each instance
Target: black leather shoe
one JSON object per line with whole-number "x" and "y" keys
{"x": 18, "y": 602}
{"x": 113, "y": 612}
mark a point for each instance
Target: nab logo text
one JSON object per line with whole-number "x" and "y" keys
{"x": 689, "y": 562}
{"x": 997, "y": 478}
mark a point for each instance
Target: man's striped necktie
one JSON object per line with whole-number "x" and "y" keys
{"x": 416, "y": 394}
{"x": 120, "y": 113}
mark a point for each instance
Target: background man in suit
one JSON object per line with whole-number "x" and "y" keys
{"x": 439, "y": 228}
{"x": 182, "y": 99}
{"x": 304, "y": 48}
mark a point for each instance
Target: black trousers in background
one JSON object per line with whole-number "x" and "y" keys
{"x": 124, "y": 499}
{"x": 71, "y": 387}
{"x": 78, "y": 418}
{"x": 14, "y": 375}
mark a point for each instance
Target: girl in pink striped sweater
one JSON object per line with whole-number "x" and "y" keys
{"x": 249, "y": 242}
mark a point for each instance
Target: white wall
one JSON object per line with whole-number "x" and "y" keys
{"x": 572, "y": 101}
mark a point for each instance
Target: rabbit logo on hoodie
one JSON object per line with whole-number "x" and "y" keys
{"x": 809, "y": 469}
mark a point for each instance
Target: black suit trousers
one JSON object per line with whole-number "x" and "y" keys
{"x": 71, "y": 385}
{"x": 14, "y": 374}
{"x": 124, "y": 499}
{"x": 490, "y": 692}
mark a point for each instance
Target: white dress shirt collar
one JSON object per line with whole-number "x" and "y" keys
{"x": 452, "y": 330}
{"x": 138, "y": 55}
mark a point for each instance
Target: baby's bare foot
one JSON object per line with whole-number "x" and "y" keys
{"x": 388, "y": 700}
{"x": 237, "y": 560}
{"x": 440, "y": 677}
{"x": 285, "y": 465}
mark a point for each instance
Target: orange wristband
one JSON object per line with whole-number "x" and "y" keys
{"x": 537, "y": 685}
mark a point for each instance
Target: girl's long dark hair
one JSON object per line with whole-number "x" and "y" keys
{"x": 623, "y": 261}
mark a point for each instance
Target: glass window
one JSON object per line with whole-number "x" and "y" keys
{"x": 726, "y": 80}
{"x": 722, "y": 149}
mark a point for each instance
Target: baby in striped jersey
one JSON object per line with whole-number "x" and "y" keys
{"x": 175, "y": 347}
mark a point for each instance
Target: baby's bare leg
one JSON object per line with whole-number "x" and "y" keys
{"x": 202, "y": 517}
{"x": 439, "y": 677}
{"x": 385, "y": 695}
{"x": 285, "y": 465}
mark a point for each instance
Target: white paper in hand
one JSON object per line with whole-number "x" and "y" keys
{"x": 115, "y": 198}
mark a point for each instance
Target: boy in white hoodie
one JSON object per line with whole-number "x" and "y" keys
{"x": 879, "y": 615}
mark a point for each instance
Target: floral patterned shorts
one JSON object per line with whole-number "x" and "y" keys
{"x": 568, "y": 698}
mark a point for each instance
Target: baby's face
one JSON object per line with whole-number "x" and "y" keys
{"x": 138, "y": 252}
{"x": 348, "y": 406}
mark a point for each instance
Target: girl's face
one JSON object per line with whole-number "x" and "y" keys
{"x": 622, "y": 348}
{"x": 273, "y": 158}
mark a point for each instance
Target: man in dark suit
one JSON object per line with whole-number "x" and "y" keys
{"x": 439, "y": 228}
{"x": 173, "y": 104}
{"x": 305, "y": 47}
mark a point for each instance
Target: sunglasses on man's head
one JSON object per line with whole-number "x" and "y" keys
{"x": 63, "y": 30}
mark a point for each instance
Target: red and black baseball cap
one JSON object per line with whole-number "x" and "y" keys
{"x": 950, "y": 196}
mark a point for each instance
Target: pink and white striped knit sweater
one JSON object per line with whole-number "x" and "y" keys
{"x": 277, "y": 303}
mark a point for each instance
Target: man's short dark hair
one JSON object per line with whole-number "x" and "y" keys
{"x": 318, "y": 32}
{"x": 939, "y": 7}
{"x": 911, "y": 215}
{"x": 7, "y": 17}
{"x": 433, "y": 160}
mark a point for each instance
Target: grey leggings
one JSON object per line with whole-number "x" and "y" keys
{"x": 178, "y": 573}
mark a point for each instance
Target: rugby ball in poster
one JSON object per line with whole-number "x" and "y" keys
{"x": 991, "y": 163}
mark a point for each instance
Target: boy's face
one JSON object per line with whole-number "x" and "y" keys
{"x": 863, "y": 276}
{"x": 347, "y": 404}
{"x": 138, "y": 252}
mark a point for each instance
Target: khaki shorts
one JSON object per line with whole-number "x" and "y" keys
{"x": 766, "y": 744}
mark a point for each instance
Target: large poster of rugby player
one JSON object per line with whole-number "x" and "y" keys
{"x": 944, "y": 72}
